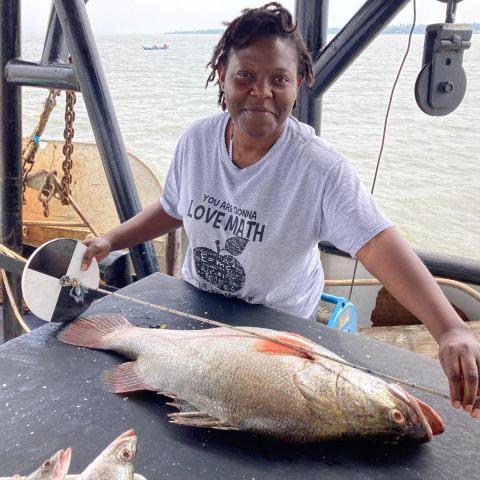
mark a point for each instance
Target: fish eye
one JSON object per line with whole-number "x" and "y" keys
{"x": 47, "y": 464}
{"x": 396, "y": 416}
{"x": 126, "y": 455}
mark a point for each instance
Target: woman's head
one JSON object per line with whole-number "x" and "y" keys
{"x": 271, "y": 20}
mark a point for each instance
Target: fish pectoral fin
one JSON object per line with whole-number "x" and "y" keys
{"x": 125, "y": 378}
{"x": 200, "y": 419}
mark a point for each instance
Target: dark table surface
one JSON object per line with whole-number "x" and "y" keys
{"x": 51, "y": 397}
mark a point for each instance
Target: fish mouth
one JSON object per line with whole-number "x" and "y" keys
{"x": 427, "y": 416}
{"x": 127, "y": 434}
{"x": 63, "y": 464}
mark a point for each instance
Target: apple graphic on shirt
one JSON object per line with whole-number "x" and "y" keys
{"x": 223, "y": 271}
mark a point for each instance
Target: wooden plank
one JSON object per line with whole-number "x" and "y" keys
{"x": 415, "y": 338}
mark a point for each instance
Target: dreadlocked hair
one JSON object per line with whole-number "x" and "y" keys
{"x": 252, "y": 24}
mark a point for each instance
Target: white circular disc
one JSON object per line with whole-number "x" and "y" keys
{"x": 42, "y": 290}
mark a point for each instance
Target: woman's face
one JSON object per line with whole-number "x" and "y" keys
{"x": 260, "y": 83}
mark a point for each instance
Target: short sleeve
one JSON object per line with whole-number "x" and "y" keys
{"x": 351, "y": 218}
{"x": 171, "y": 190}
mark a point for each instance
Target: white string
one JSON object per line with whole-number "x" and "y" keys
{"x": 294, "y": 346}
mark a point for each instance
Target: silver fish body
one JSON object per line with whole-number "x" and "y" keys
{"x": 55, "y": 468}
{"x": 225, "y": 379}
{"x": 116, "y": 462}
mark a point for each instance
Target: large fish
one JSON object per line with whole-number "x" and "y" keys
{"x": 55, "y": 468}
{"x": 225, "y": 379}
{"x": 116, "y": 462}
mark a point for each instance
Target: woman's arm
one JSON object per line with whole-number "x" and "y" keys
{"x": 150, "y": 223}
{"x": 390, "y": 259}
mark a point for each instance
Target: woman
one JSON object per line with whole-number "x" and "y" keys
{"x": 255, "y": 190}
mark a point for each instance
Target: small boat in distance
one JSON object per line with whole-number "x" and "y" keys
{"x": 156, "y": 47}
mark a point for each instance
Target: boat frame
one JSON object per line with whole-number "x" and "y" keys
{"x": 69, "y": 34}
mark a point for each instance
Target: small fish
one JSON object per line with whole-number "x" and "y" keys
{"x": 116, "y": 462}
{"x": 226, "y": 379}
{"x": 55, "y": 468}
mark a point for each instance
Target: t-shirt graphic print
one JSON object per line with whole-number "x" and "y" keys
{"x": 218, "y": 263}
{"x": 221, "y": 268}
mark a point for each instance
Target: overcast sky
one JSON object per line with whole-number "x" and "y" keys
{"x": 160, "y": 16}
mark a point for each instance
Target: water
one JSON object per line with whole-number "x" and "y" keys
{"x": 429, "y": 177}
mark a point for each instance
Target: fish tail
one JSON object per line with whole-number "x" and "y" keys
{"x": 93, "y": 331}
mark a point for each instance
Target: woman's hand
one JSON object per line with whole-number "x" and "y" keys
{"x": 98, "y": 247}
{"x": 146, "y": 225}
{"x": 459, "y": 354}
{"x": 389, "y": 258}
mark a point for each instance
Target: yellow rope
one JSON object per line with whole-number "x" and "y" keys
{"x": 12, "y": 301}
{"x": 10, "y": 253}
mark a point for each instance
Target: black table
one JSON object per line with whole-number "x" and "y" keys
{"x": 51, "y": 397}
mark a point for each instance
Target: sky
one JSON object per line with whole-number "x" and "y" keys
{"x": 161, "y": 16}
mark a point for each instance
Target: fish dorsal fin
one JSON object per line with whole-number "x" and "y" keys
{"x": 193, "y": 417}
{"x": 273, "y": 348}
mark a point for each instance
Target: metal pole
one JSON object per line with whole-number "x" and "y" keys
{"x": 354, "y": 37}
{"x": 54, "y": 48}
{"x": 10, "y": 158}
{"x": 54, "y": 75}
{"x": 81, "y": 44}
{"x": 312, "y": 22}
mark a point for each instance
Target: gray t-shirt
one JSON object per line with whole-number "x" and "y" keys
{"x": 253, "y": 232}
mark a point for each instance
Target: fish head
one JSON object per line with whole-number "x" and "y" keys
{"x": 55, "y": 468}
{"x": 122, "y": 451}
{"x": 347, "y": 403}
{"x": 415, "y": 419}
{"x": 116, "y": 461}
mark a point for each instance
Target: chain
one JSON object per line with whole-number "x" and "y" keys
{"x": 33, "y": 142}
{"x": 68, "y": 133}
{"x": 47, "y": 192}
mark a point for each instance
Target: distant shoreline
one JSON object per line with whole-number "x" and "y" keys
{"x": 391, "y": 30}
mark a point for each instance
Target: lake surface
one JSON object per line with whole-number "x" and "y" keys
{"x": 429, "y": 177}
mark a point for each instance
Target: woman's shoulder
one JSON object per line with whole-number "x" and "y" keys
{"x": 206, "y": 125}
{"x": 303, "y": 137}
